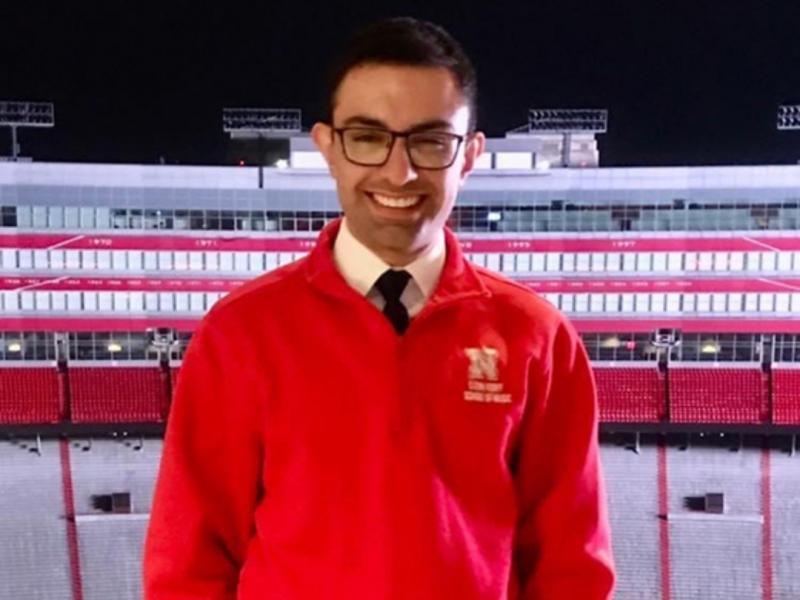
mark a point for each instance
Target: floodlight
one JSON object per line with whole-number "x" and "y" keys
{"x": 25, "y": 114}
{"x": 267, "y": 122}
{"x": 15, "y": 347}
{"x": 566, "y": 120}
{"x": 494, "y": 216}
{"x": 789, "y": 117}
{"x": 114, "y": 347}
{"x": 610, "y": 342}
{"x": 709, "y": 347}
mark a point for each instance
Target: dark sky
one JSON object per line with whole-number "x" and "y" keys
{"x": 685, "y": 83}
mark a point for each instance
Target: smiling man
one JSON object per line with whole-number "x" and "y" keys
{"x": 382, "y": 420}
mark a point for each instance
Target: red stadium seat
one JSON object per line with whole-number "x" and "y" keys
{"x": 717, "y": 395}
{"x": 786, "y": 396}
{"x": 117, "y": 394}
{"x": 29, "y": 395}
{"x": 630, "y": 395}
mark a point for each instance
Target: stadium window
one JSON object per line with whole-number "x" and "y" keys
{"x": 23, "y": 216}
{"x": 39, "y": 217}
{"x": 8, "y": 216}
{"x": 152, "y": 219}
{"x": 227, "y": 221}
{"x": 137, "y": 346}
{"x": 197, "y": 220}
{"x": 55, "y": 217}
{"x": 119, "y": 218}
{"x": 213, "y": 220}
{"x": 86, "y": 218}
{"x": 286, "y": 220}
{"x": 256, "y": 218}
{"x": 316, "y": 220}
{"x": 136, "y": 218}
{"x": 242, "y": 220}
{"x": 181, "y": 220}
{"x": 273, "y": 221}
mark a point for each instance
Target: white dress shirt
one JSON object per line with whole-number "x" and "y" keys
{"x": 361, "y": 268}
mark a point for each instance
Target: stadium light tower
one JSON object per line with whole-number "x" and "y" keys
{"x": 25, "y": 114}
{"x": 270, "y": 129}
{"x": 788, "y": 117}
{"x": 567, "y": 122}
{"x": 564, "y": 122}
{"x": 250, "y": 123}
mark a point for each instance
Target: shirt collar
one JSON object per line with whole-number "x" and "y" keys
{"x": 361, "y": 267}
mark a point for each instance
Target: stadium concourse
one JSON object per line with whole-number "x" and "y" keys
{"x": 683, "y": 283}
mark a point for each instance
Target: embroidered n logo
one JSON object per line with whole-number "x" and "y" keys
{"x": 482, "y": 363}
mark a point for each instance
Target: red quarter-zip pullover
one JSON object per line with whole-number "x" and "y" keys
{"x": 314, "y": 454}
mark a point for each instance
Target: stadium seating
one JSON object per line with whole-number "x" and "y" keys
{"x": 630, "y": 395}
{"x": 717, "y": 395}
{"x": 29, "y": 395}
{"x": 786, "y": 396}
{"x": 117, "y": 394}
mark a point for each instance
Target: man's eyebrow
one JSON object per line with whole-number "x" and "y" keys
{"x": 368, "y": 121}
{"x": 424, "y": 126}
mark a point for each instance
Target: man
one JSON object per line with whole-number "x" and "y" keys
{"x": 382, "y": 420}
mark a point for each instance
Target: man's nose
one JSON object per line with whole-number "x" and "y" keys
{"x": 398, "y": 169}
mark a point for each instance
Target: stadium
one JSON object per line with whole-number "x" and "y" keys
{"x": 682, "y": 281}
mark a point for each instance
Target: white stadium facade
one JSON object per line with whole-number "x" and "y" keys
{"x": 683, "y": 281}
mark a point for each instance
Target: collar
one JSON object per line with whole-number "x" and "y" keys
{"x": 458, "y": 278}
{"x": 361, "y": 267}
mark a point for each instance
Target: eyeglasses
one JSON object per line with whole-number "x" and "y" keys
{"x": 371, "y": 147}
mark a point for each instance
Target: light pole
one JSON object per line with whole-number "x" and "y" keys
{"x": 25, "y": 114}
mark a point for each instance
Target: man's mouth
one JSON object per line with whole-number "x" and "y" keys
{"x": 396, "y": 201}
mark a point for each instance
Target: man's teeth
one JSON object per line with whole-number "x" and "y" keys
{"x": 396, "y": 202}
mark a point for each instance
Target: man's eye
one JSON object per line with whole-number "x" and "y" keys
{"x": 369, "y": 138}
{"x": 432, "y": 141}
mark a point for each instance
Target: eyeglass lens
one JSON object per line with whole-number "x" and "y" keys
{"x": 426, "y": 149}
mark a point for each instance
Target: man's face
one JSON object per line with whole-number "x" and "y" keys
{"x": 396, "y": 209}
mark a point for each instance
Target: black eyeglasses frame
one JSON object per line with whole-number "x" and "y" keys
{"x": 401, "y": 134}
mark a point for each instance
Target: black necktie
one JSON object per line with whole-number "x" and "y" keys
{"x": 391, "y": 285}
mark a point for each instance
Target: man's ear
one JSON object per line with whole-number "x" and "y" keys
{"x": 476, "y": 144}
{"x": 322, "y": 134}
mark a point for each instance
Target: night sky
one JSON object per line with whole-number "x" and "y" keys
{"x": 685, "y": 83}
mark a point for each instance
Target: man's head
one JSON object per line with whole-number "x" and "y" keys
{"x": 405, "y": 77}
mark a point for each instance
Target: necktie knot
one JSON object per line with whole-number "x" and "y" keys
{"x": 391, "y": 286}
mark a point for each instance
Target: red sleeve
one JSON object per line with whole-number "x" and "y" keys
{"x": 563, "y": 546}
{"x": 209, "y": 480}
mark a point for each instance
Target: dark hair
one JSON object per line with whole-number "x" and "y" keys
{"x": 408, "y": 42}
